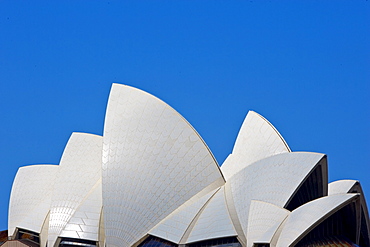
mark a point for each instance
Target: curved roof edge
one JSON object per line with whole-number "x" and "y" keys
{"x": 214, "y": 221}
{"x": 277, "y": 132}
{"x": 190, "y": 227}
{"x": 257, "y": 139}
{"x": 147, "y": 140}
{"x": 227, "y": 166}
{"x": 286, "y": 171}
{"x": 79, "y": 171}
{"x": 233, "y": 214}
{"x": 72, "y": 141}
{"x": 352, "y": 186}
{"x": 85, "y": 133}
{"x": 323, "y": 163}
{"x": 341, "y": 186}
{"x": 182, "y": 217}
{"x": 33, "y": 165}
{"x": 29, "y": 200}
{"x": 186, "y": 121}
{"x": 84, "y": 223}
{"x": 250, "y": 112}
{"x": 264, "y": 220}
{"x": 305, "y": 218}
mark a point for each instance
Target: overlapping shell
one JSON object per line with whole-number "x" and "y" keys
{"x": 152, "y": 174}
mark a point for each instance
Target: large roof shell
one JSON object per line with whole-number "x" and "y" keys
{"x": 153, "y": 162}
{"x": 155, "y": 176}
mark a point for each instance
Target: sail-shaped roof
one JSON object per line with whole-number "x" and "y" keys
{"x": 153, "y": 162}
{"x": 30, "y": 198}
{"x": 152, "y": 180}
{"x": 79, "y": 172}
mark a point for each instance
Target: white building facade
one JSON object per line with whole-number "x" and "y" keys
{"x": 151, "y": 180}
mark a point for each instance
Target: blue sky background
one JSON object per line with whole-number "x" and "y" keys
{"x": 304, "y": 65}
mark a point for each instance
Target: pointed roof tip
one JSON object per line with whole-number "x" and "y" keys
{"x": 254, "y": 112}
{"x": 343, "y": 186}
{"x": 142, "y": 91}
{"x": 257, "y": 139}
{"x": 84, "y": 133}
{"x": 120, "y": 85}
{"x": 155, "y": 118}
{"x": 272, "y": 126}
{"x": 115, "y": 84}
{"x": 37, "y": 165}
{"x": 127, "y": 87}
{"x": 259, "y": 115}
{"x": 345, "y": 180}
{"x": 159, "y": 100}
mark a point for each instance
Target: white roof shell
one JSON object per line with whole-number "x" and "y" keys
{"x": 214, "y": 220}
{"x": 309, "y": 215}
{"x": 153, "y": 162}
{"x": 84, "y": 223}
{"x": 264, "y": 220}
{"x": 257, "y": 139}
{"x": 273, "y": 180}
{"x": 155, "y": 175}
{"x": 351, "y": 186}
{"x": 31, "y": 197}
{"x": 341, "y": 186}
{"x": 78, "y": 176}
{"x": 175, "y": 225}
{"x": 234, "y": 214}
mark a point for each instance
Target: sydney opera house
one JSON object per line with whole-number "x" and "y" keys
{"x": 151, "y": 181}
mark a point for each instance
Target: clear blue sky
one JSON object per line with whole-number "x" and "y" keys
{"x": 304, "y": 65}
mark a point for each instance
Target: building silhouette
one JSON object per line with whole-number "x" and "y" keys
{"x": 151, "y": 180}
